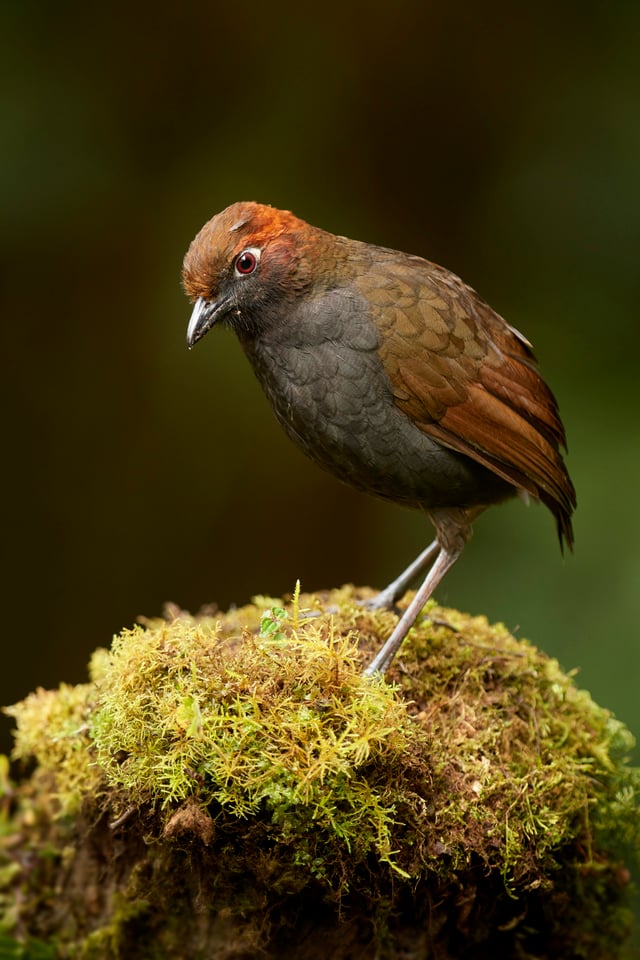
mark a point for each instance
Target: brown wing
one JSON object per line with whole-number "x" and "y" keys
{"x": 469, "y": 380}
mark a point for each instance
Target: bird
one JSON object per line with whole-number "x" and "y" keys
{"x": 388, "y": 371}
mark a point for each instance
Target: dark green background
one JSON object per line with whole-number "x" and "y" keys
{"x": 500, "y": 139}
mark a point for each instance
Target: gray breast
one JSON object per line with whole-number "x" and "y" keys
{"x": 329, "y": 390}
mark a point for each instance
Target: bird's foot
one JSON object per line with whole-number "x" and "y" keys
{"x": 394, "y": 591}
{"x": 384, "y": 600}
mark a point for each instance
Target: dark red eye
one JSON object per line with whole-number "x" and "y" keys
{"x": 247, "y": 261}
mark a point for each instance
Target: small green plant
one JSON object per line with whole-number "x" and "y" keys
{"x": 271, "y": 625}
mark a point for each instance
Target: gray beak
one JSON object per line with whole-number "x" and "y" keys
{"x": 205, "y": 314}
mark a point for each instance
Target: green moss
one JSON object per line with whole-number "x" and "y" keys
{"x": 11, "y": 949}
{"x": 251, "y": 768}
{"x": 52, "y": 729}
{"x": 280, "y": 722}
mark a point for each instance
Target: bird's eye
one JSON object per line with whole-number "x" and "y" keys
{"x": 246, "y": 262}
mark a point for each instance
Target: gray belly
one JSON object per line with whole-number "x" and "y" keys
{"x": 336, "y": 403}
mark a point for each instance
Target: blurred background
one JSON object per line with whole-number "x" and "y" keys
{"x": 501, "y": 140}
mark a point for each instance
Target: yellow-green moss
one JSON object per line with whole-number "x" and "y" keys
{"x": 279, "y": 721}
{"x": 252, "y": 739}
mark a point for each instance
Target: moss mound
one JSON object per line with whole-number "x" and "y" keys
{"x": 238, "y": 770}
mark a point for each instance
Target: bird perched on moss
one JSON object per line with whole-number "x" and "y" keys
{"x": 388, "y": 371}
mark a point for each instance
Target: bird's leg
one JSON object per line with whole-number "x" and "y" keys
{"x": 398, "y": 587}
{"x": 453, "y": 528}
{"x": 382, "y": 661}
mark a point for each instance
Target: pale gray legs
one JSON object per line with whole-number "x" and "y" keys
{"x": 453, "y": 529}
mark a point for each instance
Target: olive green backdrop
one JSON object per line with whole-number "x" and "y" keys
{"x": 500, "y": 139}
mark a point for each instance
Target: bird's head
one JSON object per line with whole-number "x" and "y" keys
{"x": 242, "y": 266}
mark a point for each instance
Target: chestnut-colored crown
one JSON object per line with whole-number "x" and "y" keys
{"x": 221, "y": 239}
